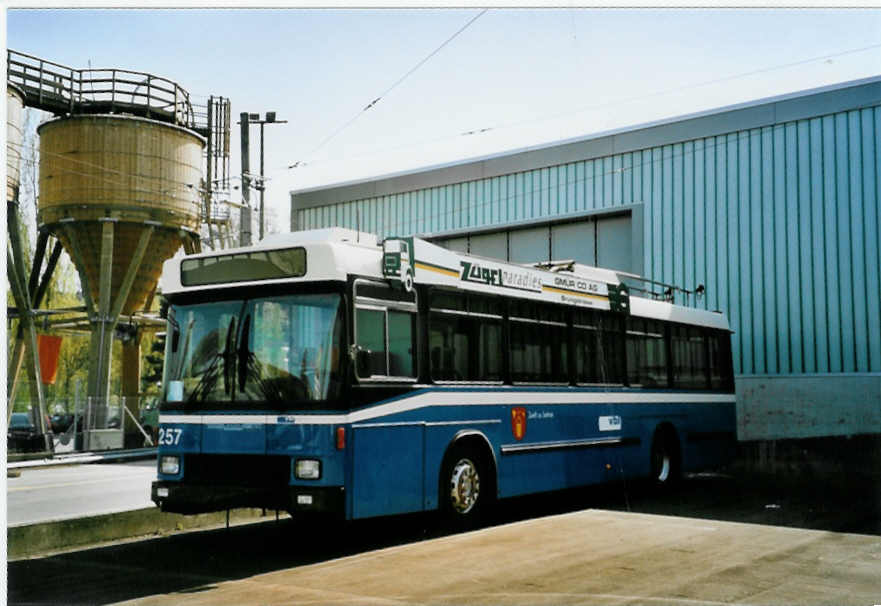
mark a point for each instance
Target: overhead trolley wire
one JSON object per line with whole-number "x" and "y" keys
{"x": 425, "y": 60}
{"x": 615, "y": 102}
{"x": 671, "y": 91}
{"x": 397, "y": 83}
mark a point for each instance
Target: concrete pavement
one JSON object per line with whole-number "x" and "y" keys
{"x": 585, "y": 557}
{"x": 53, "y": 507}
{"x": 57, "y": 493}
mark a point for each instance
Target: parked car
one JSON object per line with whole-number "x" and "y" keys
{"x": 23, "y": 435}
{"x": 61, "y": 422}
{"x": 73, "y": 429}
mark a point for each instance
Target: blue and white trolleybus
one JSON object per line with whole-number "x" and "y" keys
{"x": 326, "y": 371}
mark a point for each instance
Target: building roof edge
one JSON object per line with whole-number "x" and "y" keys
{"x": 468, "y": 169}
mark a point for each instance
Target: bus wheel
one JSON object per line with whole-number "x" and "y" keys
{"x": 665, "y": 462}
{"x": 465, "y": 487}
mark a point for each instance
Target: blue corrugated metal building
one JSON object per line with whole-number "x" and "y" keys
{"x": 773, "y": 205}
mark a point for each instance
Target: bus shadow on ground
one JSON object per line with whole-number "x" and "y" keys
{"x": 194, "y": 562}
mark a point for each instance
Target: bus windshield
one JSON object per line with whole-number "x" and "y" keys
{"x": 283, "y": 351}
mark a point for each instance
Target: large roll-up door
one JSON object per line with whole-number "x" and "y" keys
{"x": 457, "y": 244}
{"x": 493, "y": 245}
{"x": 575, "y": 241}
{"x": 613, "y": 243}
{"x": 603, "y": 241}
{"x": 529, "y": 245}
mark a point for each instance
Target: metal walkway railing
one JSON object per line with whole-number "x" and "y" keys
{"x": 62, "y": 90}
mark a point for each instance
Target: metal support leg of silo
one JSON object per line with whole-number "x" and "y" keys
{"x": 107, "y": 314}
{"x": 131, "y": 383}
{"x": 19, "y": 287}
{"x": 36, "y": 290}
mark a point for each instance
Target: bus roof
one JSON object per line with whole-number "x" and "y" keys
{"x": 334, "y": 254}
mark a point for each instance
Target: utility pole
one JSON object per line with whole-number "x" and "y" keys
{"x": 248, "y": 119}
{"x": 209, "y": 165}
{"x": 262, "y": 179}
{"x": 245, "y": 216}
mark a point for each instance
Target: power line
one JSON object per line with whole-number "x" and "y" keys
{"x": 389, "y": 89}
{"x": 430, "y": 55}
{"x": 671, "y": 91}
{"x": 594, "y": 107}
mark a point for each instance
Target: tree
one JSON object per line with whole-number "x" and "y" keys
{"x": 62, "y": 288}
{"x": 151, "y": 375}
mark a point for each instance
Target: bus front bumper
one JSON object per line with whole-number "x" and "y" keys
{"x": 176, "y": 497}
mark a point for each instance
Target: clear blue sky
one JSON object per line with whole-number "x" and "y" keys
{"x": 530, "y": 76}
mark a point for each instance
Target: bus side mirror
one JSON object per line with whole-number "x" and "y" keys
{"x": 362, "y": 363}
{"x": 175, "y": 337}
{"x": 361, "y": 358}
{"x": 175, "y": 327}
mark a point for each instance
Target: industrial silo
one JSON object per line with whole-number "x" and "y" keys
{"x": 122, "y": 193}
{"x": 137, "y": 174}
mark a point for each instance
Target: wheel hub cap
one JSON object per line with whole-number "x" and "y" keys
{"x": 465, "y": 486}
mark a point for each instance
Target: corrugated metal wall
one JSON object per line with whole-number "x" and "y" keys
{"x": 780, "y": 223}
{"x": 536, "y": 194}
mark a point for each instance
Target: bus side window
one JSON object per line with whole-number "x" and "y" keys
{"x": 385, "y": 332}
{"x": 464, "y": 337}
{"x": 612, "y": 351}
{"x": 539, "y": 343}
{"x": 689, "y": 357}
{"x": 401, "y": 343}
{"x": 591, "y": 365}
{"x": 646, "y": 353}
{"x": 443, "y": 340}
{"x": 371, "y": 338}
{"x": 720, "y": 360}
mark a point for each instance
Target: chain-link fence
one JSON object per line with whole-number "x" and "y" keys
{"x": 86, "y": 424}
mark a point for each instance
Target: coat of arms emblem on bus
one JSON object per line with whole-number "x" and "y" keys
{"x": 518, "y": 422}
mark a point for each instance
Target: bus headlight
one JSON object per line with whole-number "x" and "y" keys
{"x": 169, "y": 465}
{"x": 307, "y": 469}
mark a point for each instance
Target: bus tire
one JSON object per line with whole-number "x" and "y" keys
{"x": 665, "y": 458}
{"x": 467, "y": 486}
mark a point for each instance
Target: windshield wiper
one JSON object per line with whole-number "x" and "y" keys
{"x": 211, "y": 374}
{"x": 229, "y": 360}
{"x": 244, "y": 353}
{"x": 207, "y": 382}
{"x": 177, "y": 370}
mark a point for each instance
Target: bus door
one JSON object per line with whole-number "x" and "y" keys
{"x": 387, "y": 451}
